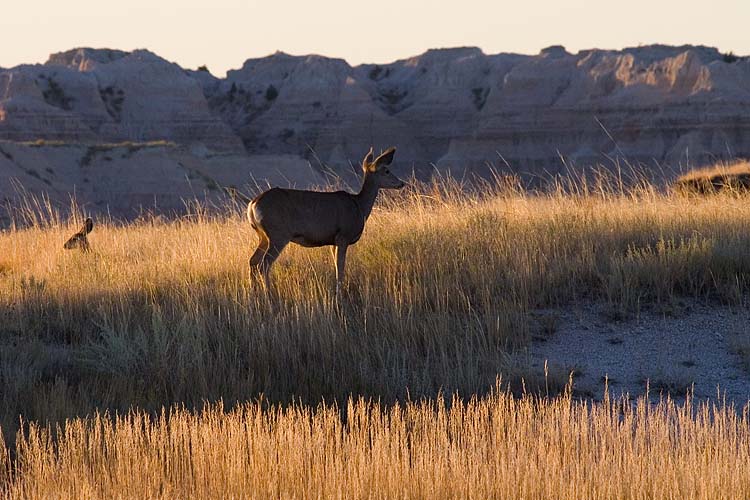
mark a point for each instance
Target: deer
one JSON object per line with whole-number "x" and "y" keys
{"x": 314, "y": 218}
{"x": 80, "y": 240}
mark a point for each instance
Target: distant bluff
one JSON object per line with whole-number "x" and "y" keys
{"x": 457, "y": 109}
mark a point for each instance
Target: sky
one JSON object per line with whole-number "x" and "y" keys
{"x": 221, "y": 34}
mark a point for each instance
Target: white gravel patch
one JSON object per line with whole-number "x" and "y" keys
{"x": 696, "y": 347}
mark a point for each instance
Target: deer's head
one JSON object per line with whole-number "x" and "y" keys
{"x": 377, "y": 169}
{"x": 79, "y": 240}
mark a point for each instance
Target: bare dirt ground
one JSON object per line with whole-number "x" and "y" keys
{"x": 700, "y": 347}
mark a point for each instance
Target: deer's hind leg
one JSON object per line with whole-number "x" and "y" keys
{"x": 256, "y": 261}
{"x": 257, "y": 258}
{"x": 268, "y": 258}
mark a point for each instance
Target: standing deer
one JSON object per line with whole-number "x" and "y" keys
{"x": 79, "y": 240}
{"x": 314, "y": 219}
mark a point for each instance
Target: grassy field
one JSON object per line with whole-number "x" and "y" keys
{"x": 162, "y": 312}
{"x": 731, "y": 176}
{"x": 496, "y": 447}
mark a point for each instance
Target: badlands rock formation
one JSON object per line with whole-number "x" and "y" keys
{"x": 292, "y": 119}
{"x": 464, "y": 110}
{"x": 87, "y": 95}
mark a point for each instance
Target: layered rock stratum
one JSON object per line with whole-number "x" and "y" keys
{"x": 297, "y": 120}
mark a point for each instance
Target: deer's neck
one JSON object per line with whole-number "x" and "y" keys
{"x": 367, "y": 195}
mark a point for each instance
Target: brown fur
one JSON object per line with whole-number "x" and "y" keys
{"x": 80, "y": 239}
{"x": 313, "y": 219}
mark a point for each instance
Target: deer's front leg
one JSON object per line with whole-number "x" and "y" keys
{"x": 340, "y": 253}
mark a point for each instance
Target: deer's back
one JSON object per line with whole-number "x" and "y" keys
{"x": 309, "y": 218}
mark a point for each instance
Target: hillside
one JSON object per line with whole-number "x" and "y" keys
{"x": 459, "y": 110}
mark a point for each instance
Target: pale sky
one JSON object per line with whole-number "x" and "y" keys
{"x": 223, "y": 33}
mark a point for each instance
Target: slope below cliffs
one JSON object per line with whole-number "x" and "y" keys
{"x": 456, "y": 111}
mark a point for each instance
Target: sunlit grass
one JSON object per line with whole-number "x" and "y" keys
{"x": 439, "y": 290}
{"x": 723, "y": 176}
{"x": 494, "y": 447}
{"x": 727, "y": 168}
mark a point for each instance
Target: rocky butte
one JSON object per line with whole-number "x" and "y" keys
{"x": 124, "y": 130}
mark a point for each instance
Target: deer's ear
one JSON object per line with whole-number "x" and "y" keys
{"x": 385, "y": 158}
{"x": 367, "y": 160}
{"x": 88, "y": 225}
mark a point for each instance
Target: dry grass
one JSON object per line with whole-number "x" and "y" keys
{"x": 495, "y": 447}
{"x": 731, "y": 176}
{"x": 729, "y": 168}
{"x": 440, "y": 288}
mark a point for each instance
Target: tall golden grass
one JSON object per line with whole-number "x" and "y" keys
{"x": 495, "y": 447}
{"x": 722, "y": 168}
{"x": 722, "y": 176}
{"x": 163, "y": 312}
